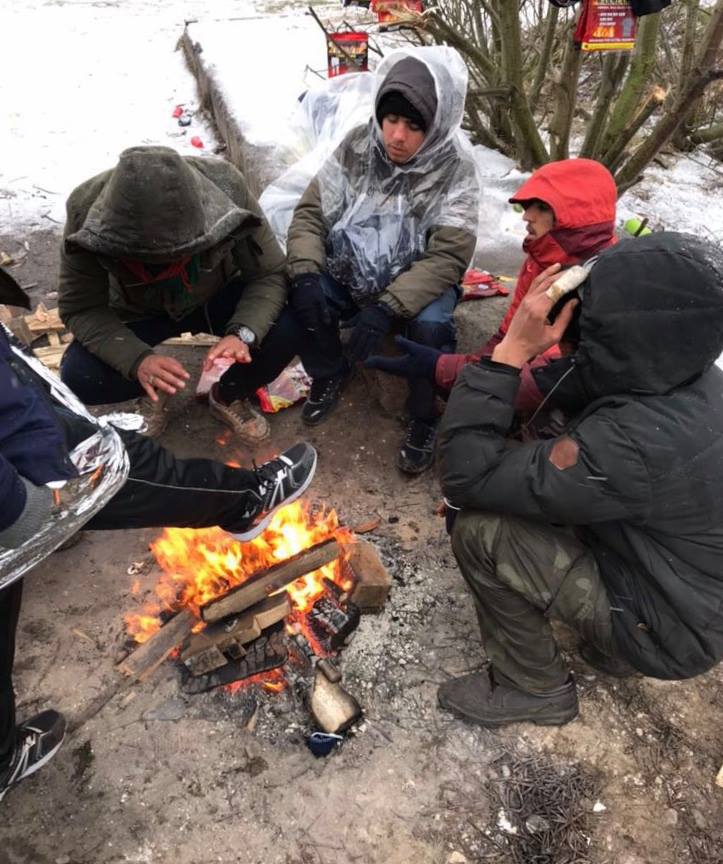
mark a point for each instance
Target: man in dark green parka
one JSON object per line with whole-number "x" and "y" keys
{"x": 159, "y": 245}
{"x": 616, "y": 525}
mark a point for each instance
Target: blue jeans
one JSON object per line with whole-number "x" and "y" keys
{"x": 433, "y": 326}
{"x": 95, "y": 383}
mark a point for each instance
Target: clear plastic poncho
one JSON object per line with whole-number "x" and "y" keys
{"x": 379, "y": 214}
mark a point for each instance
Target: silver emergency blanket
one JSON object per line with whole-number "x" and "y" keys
{"x": 102, "y": 464}
{"x": 378, "y": 214}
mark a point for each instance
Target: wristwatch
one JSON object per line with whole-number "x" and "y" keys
{"x": 246, "y": 334}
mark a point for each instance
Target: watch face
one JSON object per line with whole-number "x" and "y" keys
{"x": 246, "y": 335}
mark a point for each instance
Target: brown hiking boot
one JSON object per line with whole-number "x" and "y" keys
{"x": 156, "y": 414}
{"x": 247, "y": 424}
{"x": 481, "y": 699}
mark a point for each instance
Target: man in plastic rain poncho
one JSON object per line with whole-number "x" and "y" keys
{"x": 383, "y": 234}
{"x": 62, "y": 470}
{"x": 160, "y": 245}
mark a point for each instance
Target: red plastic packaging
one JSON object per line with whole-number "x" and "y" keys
{"x": 196, "y": 141}
{"x": 177, "y": 111}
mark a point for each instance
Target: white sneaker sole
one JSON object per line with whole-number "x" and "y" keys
{"x": 263, "y": 524}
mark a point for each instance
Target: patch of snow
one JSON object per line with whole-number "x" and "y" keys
{"x": 684, "y": 197}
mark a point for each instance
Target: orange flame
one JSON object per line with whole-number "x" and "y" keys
{"x": 200, "y": 565}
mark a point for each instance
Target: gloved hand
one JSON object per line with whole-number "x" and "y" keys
{"x": 372, "y": 324}
{"x": 309, "y": 303}
{"x": 417, "y": 361}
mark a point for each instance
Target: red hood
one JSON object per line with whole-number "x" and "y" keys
{"x": 581, "y": 192}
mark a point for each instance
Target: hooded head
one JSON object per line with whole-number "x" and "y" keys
{"x": 651, "y": 319}
{"x": 156, "y": 207}
{"x": 405, "y": 107}
{"x": 581, "y": 195}
{"x": 426, "y": 86}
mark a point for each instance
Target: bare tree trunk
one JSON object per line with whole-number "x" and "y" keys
{"x": 531, "y": 151}
{"x": 544, "y": 59}
{"x": 615, "y": 156}
{"x": 641, "y": 66}
{"x": 686, "y": 61}
{"x": 614, "y": 67}
{"x": 566, "y": 86}
{"x": 702, "y": 74}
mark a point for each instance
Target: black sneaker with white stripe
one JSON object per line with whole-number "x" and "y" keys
{"x": 38, "y": 740}
{"x": 280, "y": 481}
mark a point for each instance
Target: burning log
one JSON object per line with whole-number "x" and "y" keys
{"x": 266, "y": 582}
{"x": 211, "y": 648}
{"x": 267, "y": 652}
{"x": 331, "y": 624}
{"x": 149, "y": 656}
{"x": 371, "y": 579}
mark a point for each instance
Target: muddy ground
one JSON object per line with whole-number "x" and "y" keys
{"x": 156, "y": 776}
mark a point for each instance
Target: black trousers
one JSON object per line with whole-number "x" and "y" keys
{"x": 160, "y": 491}
{"x": 96, "y": 383}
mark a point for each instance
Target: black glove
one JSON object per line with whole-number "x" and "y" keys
{"x": 372, "y": 324}
{"x": 309, "y": 303}
{"x": 417, "y": 361}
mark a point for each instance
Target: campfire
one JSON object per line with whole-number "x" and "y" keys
{"x": 236, "y": 613}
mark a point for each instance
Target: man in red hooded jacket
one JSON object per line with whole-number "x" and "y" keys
{"x": 569, "y": 209}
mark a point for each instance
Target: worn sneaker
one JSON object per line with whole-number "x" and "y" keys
{"x": 280, "y": 481}
{"x": 482, "y": 699}
{"x": 323, "y": 398}
{"x": 417, "y": 451}
{"x": 247, "y": 424}
{"x": 38, "y": 740}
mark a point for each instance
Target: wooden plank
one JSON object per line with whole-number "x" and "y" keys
{"x": 50, "y": 356}
{"x": 205, "y": 651}
{"x": 267, "y": 581}
{"x": 149, "y": 656}
{"x": 203, "y": 340}
{"x": 372, "y": 582}
{"x": 44, "y": 320}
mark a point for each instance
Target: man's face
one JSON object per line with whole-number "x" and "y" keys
{"x": 539, "y": 218}
{"x": 401, "y": 137}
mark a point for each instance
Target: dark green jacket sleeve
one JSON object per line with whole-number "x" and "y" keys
{"x": 448, "y": 253}
{"x": 83, "y": 308}
{"x": 306, "y": 240}
{"x": 483, "y": 470}
{"x": 262, "y": 267}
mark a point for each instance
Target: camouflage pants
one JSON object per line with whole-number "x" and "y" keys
{"x": 521, "y": 573}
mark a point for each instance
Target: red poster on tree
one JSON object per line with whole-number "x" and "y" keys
{"x": 606, "y": 25}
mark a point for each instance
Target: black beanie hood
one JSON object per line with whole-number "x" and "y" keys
{"x": 409, "y": 85}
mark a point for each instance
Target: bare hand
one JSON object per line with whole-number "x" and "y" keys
{"x": 231, "y": 347}
{"x": 157, "y": 372}
{"x": 530, "y": 332}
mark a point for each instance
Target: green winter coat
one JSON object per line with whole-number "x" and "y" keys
{"x": 157, "y": 207}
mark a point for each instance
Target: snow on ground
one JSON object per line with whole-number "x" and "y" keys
{"x": 80, "y": 81}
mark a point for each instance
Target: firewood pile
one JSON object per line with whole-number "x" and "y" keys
{"x": 44, "y": 332}
{"x": 251, "y": 630}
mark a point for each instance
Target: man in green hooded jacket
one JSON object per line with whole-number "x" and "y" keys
{"x": 160, "y": 245}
